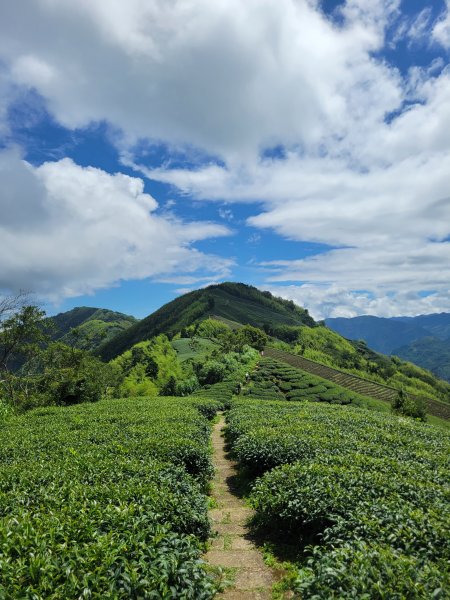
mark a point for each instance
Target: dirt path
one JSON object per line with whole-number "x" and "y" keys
{"x": 232, "y": 548}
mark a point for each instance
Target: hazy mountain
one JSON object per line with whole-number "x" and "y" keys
{"x": 423, "y": 340}
{"x": 383, "y": 335}
{"x": 430, "y": 353}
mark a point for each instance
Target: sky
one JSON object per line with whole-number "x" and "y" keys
{"x": 152, "y": 147}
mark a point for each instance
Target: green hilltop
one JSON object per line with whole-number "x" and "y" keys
{"x": 87, "y": 327}
{"x": 290, "y": 328}
{"x": 236, "y": 302}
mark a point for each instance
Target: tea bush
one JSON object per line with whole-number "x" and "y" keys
{"x": 368, "y": 490}
{"x": 275, "y": 380}
{"x": 106, "y": 500}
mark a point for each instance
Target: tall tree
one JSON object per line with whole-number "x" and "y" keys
{"x": 21, "y": 334}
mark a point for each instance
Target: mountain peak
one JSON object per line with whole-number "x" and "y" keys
{"x": 239, "y": 302}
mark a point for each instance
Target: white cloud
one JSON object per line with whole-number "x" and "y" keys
{"x": 325, "y": 301}
{"x": 367, "y": 150}
{"x": 68, "y": 230}
{"x": 228, "y": 76}
{"x": 441, "y": 31}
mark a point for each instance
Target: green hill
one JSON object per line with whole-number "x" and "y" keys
{"x": 238, "y": 302}
{"x": 87, "y": 327}
{"x": 292, "y": 329}
{"x": 430, "y": 353}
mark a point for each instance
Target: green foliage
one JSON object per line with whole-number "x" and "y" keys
{"x": 429, "y": 353}
{"x": 98, "y": 501}
{"x": 60, "y": 375}
{"x": 211, "y": 371}
{"x": 86, "y": 328}
{"x": 147, "y": 367}
{"x": 286, "y": 333}
{"x": 192, "y": 347}
{"x": 410, "y": 407}
{"x": 368, "y": 490}
{"x": 137, "y": 383}
{"x": 169, "y": 388}
{"x": 250, "y": 336}
{"x": 21, "y": 334}
{"x": 187, "y": 385}
{"x": 275, "y": 380}
{"x": 211, "y": 329}
{"x": 231, "y": 301}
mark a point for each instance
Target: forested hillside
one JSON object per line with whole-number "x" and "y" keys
{"x": 235, "y": 301}
{"x": 86, "y": 327}
{"x": 423, "y": 340}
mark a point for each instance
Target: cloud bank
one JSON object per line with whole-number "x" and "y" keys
{"x": 304, "y": 117}
{"x": 67, "y": 230}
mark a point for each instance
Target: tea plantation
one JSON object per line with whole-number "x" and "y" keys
{"x": 106, "y": 500}
{"x": 364, "y": 496}
{"x": 276, "y": 380}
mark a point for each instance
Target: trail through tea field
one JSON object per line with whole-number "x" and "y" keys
{"x": 232, "y": 547}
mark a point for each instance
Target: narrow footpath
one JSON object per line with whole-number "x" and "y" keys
{"x": 232, "y": 548}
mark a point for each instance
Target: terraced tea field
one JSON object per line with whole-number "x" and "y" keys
{"x": 353, "y": 382}
{"x": 109, "y": 500}
{"x": 276, "y": 380}
{"x": 187, "y": 348}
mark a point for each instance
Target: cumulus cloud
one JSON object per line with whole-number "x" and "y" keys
{"x": 365, "y": 148}
{"x": 228, "y": 76}
{"x": 324, "y": 301}
{"x": 441, "y": 31}
{"x": 68, "y": 230}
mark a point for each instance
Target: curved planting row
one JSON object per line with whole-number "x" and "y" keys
{"x": 106, "y": 500}
{"x": 368, "y": 491}
{"x": 275, "y": 380}
{"x": 221, "y": 392}
{"x": 353, "y": 382}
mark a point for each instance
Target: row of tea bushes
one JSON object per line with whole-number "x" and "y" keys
{"x": 368, "y": 491}
{"x": 275, "y": 380}
{"x": 106, "y": 500}
{"x": 221, "y": 392}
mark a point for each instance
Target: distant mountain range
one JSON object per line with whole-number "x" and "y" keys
{"x": 423, "y": 340}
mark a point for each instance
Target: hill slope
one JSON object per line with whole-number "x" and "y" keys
{"x": 87, "y": 327}
{"x": 430, "y": 353}
{"x": 234, "y": 301}
{"x": 423, "y": 340}
{"x": 438, "y": 325}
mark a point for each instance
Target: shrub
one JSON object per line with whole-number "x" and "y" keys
{"x": 406, "y": 405}
{"x": 96, "y": 500}
{"x": 212, "y": 371}
{"x": 369, "y": 490}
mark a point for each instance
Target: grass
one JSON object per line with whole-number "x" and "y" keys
{"x": 188, "y": 348}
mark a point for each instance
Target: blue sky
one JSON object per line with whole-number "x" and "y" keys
{"x": 147, "y": 149}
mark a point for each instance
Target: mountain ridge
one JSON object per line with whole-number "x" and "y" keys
{"x": 234, "y": 301}
{"x": 423, "y": 340}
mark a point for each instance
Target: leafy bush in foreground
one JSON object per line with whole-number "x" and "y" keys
{"x": 98, "y": 501}
{"x": 368, "y": 490}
